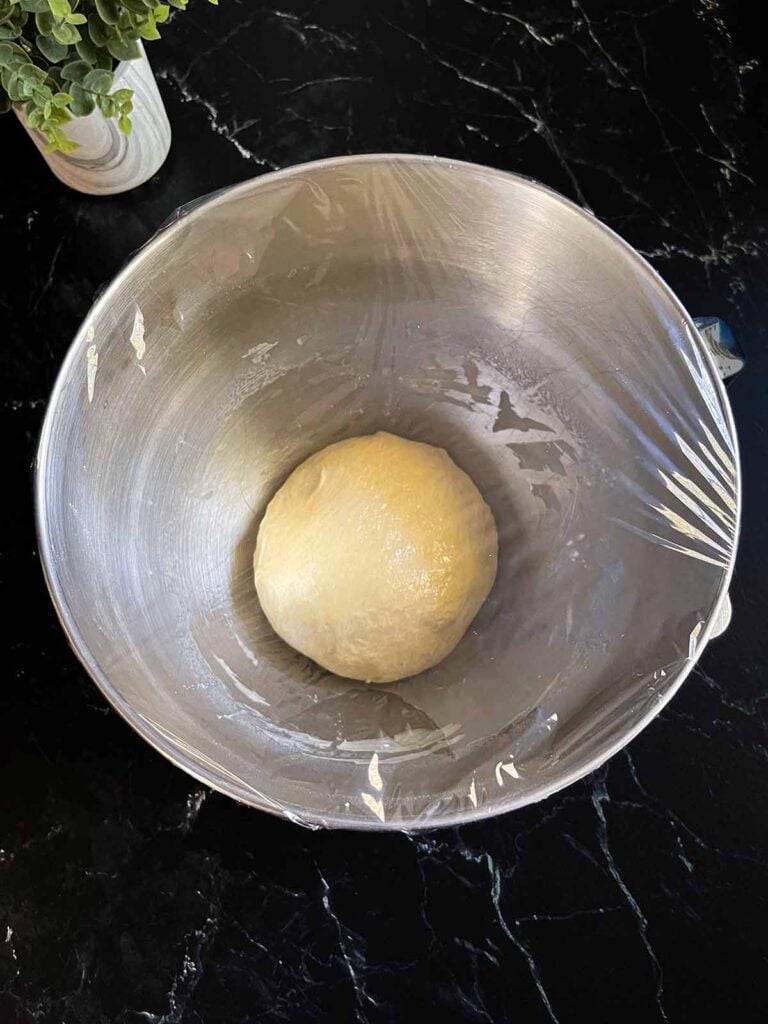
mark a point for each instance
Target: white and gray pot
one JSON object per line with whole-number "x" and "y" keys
{"x": 107, "y": 161}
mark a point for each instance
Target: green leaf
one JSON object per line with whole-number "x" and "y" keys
{"x": 82, "y": 102}
{"x": 76, "y": 19}
{"x": 106, "y": 105}
{"x": 34, "y": 6}
{"x": 58, "y": 141}
{"x": 59, "y": 115}
{"x": 108, "y": 11}
{"x": 123, "y": 49}
{"x": 75, "y": 71}
{"x": 98, "y": 31}
{"x": 87, "y": 50}
{"x": 65, "y": 33}
{"x": 14, "y": 89}
{"x": 59, "y": 8}
{"x": 61, "y": 99}
{"x": 124, "y": 124}
{"x": 5, "y": 102}
{"x": 127, "y": 23}
{"x": 44, "y": 22}
{"x": 51, "y": 48}
{"x": 98, "y": 81}
{"x": 148, "y": 29}
{"x": 6, "y": 53}
{"x": 28, "y": 72}
{"x": 35, "y": 118}
{"x": 122, "y": 95}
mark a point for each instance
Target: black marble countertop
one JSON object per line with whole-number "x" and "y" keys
{"x": 130, "y": 894}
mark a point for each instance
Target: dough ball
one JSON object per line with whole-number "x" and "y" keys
{"x": 374, "y": 557}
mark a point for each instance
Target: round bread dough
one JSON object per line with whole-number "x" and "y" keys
{"x": 374, "y": 557}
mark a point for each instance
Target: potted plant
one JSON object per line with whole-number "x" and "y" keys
{"x": 77, "y": 77}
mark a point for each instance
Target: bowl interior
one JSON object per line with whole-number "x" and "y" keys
{"x": 446, "y": 303}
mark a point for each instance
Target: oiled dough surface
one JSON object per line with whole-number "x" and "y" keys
{"x": 374, "y": 557}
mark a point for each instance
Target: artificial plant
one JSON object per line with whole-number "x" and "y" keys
{"x": 57, "y": 57}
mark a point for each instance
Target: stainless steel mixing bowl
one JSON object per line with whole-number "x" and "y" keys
{"x": 445, "y": 302}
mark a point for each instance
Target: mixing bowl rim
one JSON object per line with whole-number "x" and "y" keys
{"x": 216, "y": 780}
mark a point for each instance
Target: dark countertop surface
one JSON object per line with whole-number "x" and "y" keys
{"x": 130, "y": 894}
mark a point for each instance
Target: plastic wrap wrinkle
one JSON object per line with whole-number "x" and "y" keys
{"x": 450, "y": 304}
{"x": 242, "y": 788}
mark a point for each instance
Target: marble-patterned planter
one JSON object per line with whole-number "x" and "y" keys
{"x": 107, "y": 161}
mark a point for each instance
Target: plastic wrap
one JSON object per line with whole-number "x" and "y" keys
{"x": 447, "y": 303}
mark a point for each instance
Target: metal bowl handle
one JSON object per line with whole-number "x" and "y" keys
{"x": 729, "y": 361}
